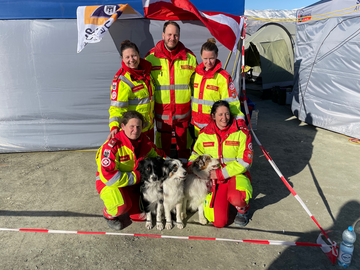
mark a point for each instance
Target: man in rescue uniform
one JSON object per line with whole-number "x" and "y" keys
{"x": 117, "y": 177}
{"x": 172, "y": 67}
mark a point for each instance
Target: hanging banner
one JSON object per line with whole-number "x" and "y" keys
{"x": 94, "y": 21}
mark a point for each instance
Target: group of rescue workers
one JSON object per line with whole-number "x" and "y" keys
{"x": 160, "y": 88}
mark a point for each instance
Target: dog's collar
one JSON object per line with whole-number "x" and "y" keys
{"x": 200, "y": 177}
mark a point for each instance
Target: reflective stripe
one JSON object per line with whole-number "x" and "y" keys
{"x": 113, "y": 119}
{"x": 131, "y": 178}
{"x": 231, "y": 99}
{"x": 240, "y": 117}
{"x": 238, "y": 160}
{"x": 173, "y": 87}
{"x": 181, "y": 116}
{"x": 127, "y": 81}
{"x": 166, "y": 117}
{"x": 98, "y": 177}
{"x": 138, "y": 101}
{"x": 114, "y": 179}
{"x": 120, "y": 104}
{"x": 225, "y": 173}
{"x": 200, "y": 125}
{"x": 203, "y": 102}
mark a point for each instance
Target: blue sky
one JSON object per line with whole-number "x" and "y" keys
{"x": 277, "y": 4}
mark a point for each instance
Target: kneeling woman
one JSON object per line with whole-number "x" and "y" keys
{"x": 117, "y": 178}
{"x": 222, "y": 139}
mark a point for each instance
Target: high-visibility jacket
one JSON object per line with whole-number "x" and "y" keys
{"x": 132, "y": 90}
{"x": 171, "y": 72}
{"x": 208, "y": 87}
{"x": 116, "y": 160}
{"x": 234, "y": 151}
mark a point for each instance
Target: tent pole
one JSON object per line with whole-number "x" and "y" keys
{"x": 227, "y": 60}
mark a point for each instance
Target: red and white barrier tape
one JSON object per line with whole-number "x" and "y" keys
{"x": 254, "y": 241}
{"x": 272, "y": 163}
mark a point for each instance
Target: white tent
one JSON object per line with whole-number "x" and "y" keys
{"x": 327, "y": 78}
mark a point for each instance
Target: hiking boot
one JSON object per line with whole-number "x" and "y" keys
{"x": 241, "y": 219}
{"x": 114, "y": 224}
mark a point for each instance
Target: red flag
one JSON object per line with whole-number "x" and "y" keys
{"x": 224, "y": 27}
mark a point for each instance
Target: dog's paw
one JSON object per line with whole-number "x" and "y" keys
{"x": 159, "y": 226}
{"x": 148, "y": 225}
{"x": 203, "y": 220}
{"x": 180, "y": 225}
{"x": 168, "y": 225}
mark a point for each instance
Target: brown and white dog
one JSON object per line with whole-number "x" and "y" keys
{"x": 197, "y": 185}
{"x": 173, "y": 189}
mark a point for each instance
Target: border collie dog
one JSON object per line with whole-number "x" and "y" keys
{"x": 197, "y": 185}
{"x": 152, "y": 176}
{"x": 173, "y": 187}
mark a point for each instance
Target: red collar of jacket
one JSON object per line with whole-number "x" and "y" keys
{"x": 180, "y": 51}
{"x": 142, "y": 144}
{"x": 211, "y": 128}
{"x": 200, "y": 69}
{"x": 143, "y": 71}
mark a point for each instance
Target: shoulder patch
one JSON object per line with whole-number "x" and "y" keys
{"x": 112, "y": 142}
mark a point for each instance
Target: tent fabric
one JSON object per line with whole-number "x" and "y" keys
{"x": 269, "y": 51}
{"x": 327, "y": 83}
{"x": 53, "y": 98}
{"x": 66, "y": 9}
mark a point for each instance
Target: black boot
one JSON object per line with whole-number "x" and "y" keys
{"x": 114, "y": 224}
{"x": 241, "y": 219}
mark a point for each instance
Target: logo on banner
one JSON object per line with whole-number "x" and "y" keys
{"x": 105, "y": 11}
{"x": 304, "y": 16}
{"x": 357, "y": 3}
{"x": 105, "y": 162}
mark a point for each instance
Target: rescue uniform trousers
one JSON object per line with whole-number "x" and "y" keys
{"x": 227, "y": 193}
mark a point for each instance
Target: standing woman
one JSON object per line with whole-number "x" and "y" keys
{"x": 132, "y": 90}
{"x": 222, "y": 139}
{"x": 212, "y": 83}
{"x": 117, "y": 178}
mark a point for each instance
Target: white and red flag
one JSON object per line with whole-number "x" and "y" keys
{"x": 224, "y": 27}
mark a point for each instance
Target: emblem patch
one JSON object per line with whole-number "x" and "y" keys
{"x": 232, "y": 143}
{"x": 208, "y": 144}
{"x": 105, "y": 162}
{"x": 250, "y": 146}
{"x": 186, "y": 67}
{"x": 106, "y": 153}
{"x": 113, "y": 95}
{"x": 196, "y": 85}
{"x": 124, "y": 158}
{"x": 114, "y": 86}
{"x": 231, "y": 86}
{"x": 212, "y": 87}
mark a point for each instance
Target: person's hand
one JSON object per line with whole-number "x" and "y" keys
{"x": 213, "y": 174}
{"x": 112, "y": 134}
{"x": 136, "y": 171}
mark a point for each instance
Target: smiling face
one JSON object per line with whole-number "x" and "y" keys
{"x": 209, "y": 59}
{"x": 221, "y": 117}
{"x": 171, "y": 37}
{"x": 131, "y": 58}
{"x": 133, "y": 128}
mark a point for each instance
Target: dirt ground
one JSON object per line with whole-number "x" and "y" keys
{"x": 56, "y": 190}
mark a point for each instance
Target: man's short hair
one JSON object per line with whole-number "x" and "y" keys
{"x": 172, "y": 23}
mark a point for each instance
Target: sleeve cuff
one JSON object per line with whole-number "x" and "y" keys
{"x": 114, "y": 127}
{"x": 219, "y": 175}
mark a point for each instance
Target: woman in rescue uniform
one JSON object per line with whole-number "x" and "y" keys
{"x": 212, "y": 83}
{"x": 117, "y": 177}
{"x": 222, "y": 139}
{"x": 132, "y": 90}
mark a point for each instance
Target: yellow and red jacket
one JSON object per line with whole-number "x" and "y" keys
{"x": 234, "y": 150}
{"x": 210, "y": 86}
{"x": 171, "y": 72}
{"x": 132, "y": 90}
{"x": 116, "y": 160}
